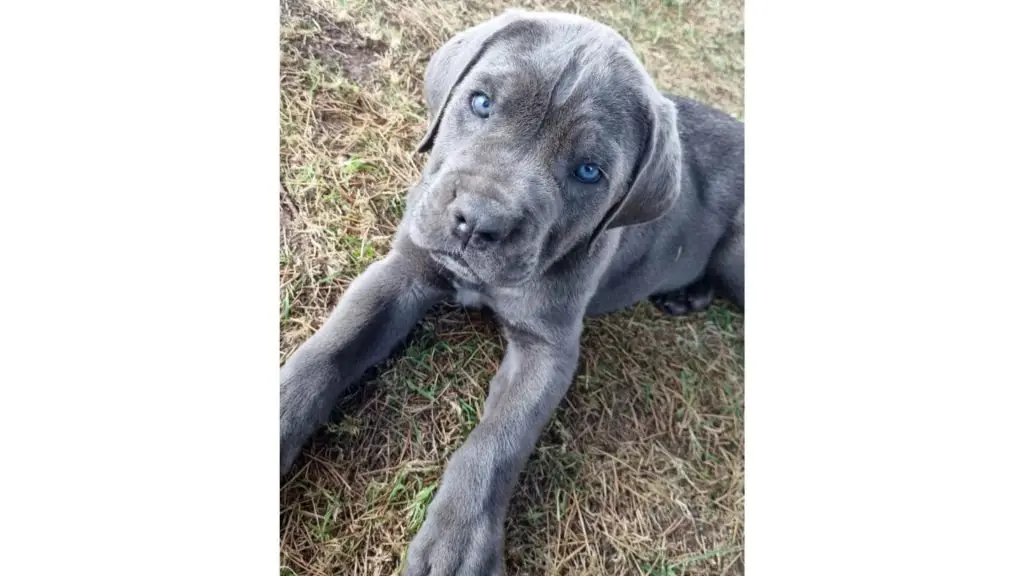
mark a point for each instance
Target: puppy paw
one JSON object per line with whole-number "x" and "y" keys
{"x": 302, "y": 379}
{"x": 687, "y": 300}
{"x": 455, "y": 543}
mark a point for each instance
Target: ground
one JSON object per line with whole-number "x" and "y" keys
{"x": 641, "y": 469}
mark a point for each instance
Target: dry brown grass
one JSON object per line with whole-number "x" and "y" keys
{"x": 641, "y": 469}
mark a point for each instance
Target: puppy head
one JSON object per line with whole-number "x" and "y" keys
{"x": 544, "y": 131}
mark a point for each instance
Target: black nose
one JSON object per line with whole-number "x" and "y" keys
{"x": 478, "y": 219}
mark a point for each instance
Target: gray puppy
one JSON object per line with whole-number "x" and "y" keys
{"x": 560, "y": 184}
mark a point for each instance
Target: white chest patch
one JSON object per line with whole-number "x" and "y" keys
{"x": 469, "y": 297}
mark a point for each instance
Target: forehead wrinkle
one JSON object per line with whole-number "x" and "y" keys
{"x": 600, "y": 77}
{"x": 507, "y": 75}
{"x": 594, "y": 110}
{"x": 568, "y": 75}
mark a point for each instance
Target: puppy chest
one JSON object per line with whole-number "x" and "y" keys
{"x": 470, "y": 297}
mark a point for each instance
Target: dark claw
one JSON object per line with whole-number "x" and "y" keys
{"x": 687, "y": 300}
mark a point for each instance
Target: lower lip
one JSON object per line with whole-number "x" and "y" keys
{"x": 454, "y": 263}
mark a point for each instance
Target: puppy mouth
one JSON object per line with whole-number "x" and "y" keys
{"x": 456, "y": 264}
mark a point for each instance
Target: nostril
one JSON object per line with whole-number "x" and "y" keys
{"x": 460, "y": 227}
{"x": 487, "y": 237}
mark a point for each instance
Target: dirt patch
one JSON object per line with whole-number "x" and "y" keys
{"x": 322, "y": 37}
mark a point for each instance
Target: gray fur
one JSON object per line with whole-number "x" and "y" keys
{"x": 541, "y": 249}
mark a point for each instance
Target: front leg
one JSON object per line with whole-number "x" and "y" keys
{"x": 375, "y": 314}
{"x": 463, "y": 531}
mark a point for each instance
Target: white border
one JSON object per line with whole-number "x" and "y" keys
{"x": 139, "y": 407}
{"x": 882, "y": 335}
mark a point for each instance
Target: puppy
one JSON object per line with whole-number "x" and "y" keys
{"x": 560, "y": 184}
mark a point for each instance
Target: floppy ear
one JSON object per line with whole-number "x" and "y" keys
{"x": 656, "y": 183}
{"x": 449, "y": 65}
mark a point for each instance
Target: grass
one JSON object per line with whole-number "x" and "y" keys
{"x": 641, "y": 469}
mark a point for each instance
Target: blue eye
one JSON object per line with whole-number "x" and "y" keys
{"x": 480, "y": 104}
{"x": 587, "y": 173}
